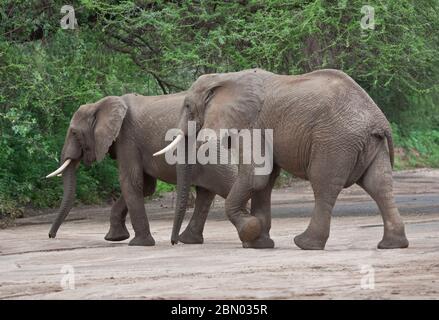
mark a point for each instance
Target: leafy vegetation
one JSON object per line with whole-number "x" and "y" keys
{"x": 155, "y": 47}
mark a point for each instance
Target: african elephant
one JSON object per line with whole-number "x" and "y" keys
{"x": 326, "y": 129}
{"x": 130, "y": 128}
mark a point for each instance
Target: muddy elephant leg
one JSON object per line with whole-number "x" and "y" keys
{"x": 248, "y": 226}
{"x": 327, "y": 175}
{"x": 193, "y": 234}
{"x": 378, "y": 183}
{"x": 261, "y": 208}
{"x": 132, "y": 186}
{"x": 118, "y": 231}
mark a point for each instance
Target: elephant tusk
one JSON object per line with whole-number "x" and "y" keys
{"x": 60, "y": 169}
{"x": 170, "y": 146}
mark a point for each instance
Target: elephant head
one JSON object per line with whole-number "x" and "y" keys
{"x": 92, "y": 131}
{"x": 216, "y": 101}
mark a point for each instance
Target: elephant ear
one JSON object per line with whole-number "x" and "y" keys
{"x": 109, "y": 116}
{"x": 233, "y": 100}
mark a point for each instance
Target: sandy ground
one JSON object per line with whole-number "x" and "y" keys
{"x": 79, "y": 264}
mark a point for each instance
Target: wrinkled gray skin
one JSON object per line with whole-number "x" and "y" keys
{"x": 326, "y": 130}
{"x": 131, "y": 128}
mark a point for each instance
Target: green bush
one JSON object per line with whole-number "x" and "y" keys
{"x": 418, "y": 148}
{"x": 41, "y": 86}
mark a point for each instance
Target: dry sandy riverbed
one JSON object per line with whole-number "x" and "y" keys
{"x": 35, "y": 267}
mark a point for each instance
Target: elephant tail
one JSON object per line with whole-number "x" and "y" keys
{"x": 386, "y": 133}
{"x": 389, "y": 139}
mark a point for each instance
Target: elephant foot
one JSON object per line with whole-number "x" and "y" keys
{"x": 190, "y": 237}
{"x": 393, "y": 241}
{"x": 263, "y": 242}
{"x": 250, "y": 229}
{"x": 306, "y": 241}
{"x": 118, "y": 233}
{"x": 143, "y": 240}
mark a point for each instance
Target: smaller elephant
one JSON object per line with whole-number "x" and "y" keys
{"x": 131, "y": 128}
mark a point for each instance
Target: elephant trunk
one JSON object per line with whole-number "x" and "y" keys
{"x": 184, "y": 180}
{"x": 69, "y": 184}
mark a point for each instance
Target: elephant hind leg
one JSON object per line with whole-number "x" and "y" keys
{"x": 378, "y": 183}
{"x": 328, "y": 176}
{"x": 118, "y": 230}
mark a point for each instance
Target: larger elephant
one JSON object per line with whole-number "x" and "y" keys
{"x": 326, "y": 129}
{"x": 131, "y": 128}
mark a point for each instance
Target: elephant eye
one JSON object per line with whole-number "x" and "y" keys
{"x": 189, "y": 111}
{"x": 93, "y": 122}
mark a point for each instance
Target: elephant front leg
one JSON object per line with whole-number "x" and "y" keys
{"x": 193, "y": 234}
{"x": 261, "y": 208}
{"x": 118, "y": 230}
{"x": 248, "y": 226}
{"x": 132, "y": 191}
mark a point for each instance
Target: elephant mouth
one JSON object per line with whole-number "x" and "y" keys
{"x": 88, "y": 158}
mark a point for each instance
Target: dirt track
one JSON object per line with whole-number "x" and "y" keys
{"x": 33, "y": 266}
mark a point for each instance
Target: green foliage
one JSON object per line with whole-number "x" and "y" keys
{"x": 164, "y": 187}
{"x": 395, "y": 61}
{"x": 418, "y": 149}
{"x": 153, "y": 47}
{"x": 42, "y": 83}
